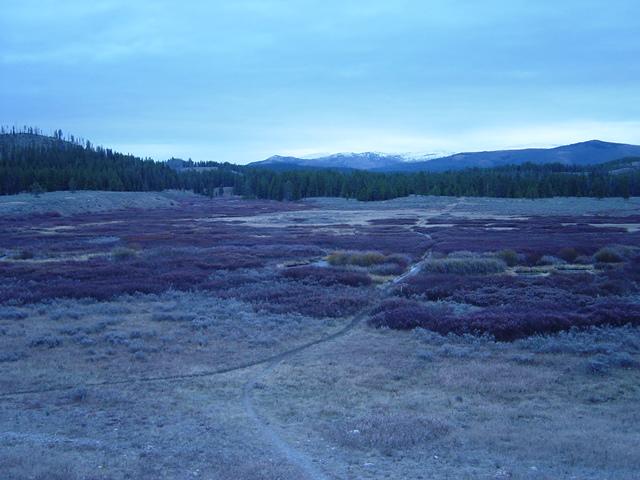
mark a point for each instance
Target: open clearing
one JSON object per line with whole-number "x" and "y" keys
{"x": 171, "y": 336}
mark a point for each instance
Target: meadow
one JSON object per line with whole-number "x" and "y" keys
{"x": 171, "y": 335}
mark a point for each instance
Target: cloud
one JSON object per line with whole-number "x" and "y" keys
{"x": 246, "y": 79}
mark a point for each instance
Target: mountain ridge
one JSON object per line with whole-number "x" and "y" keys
{"x": 582, "y": 153}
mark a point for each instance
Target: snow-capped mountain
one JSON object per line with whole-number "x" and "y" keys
{"x": 584, "y": 153}
{"x": 376, "y": 161}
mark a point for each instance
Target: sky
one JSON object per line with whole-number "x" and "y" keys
{"x": 241, "y": 80}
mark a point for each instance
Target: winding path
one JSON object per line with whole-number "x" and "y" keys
{"x": 294, "y": 456}
{"x": 268, "y": 432}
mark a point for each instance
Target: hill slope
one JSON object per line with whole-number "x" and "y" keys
{"x": 51, "y": 163}
{"x": 33, "y": 162}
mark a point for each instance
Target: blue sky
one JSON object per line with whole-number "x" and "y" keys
{"x": 241, "y": 80}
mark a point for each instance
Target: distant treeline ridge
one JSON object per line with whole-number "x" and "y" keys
{"x": 32, "y": 162}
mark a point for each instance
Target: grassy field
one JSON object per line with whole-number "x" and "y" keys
{"x": 68, "y": 203}
{"x": 151, "y": 336}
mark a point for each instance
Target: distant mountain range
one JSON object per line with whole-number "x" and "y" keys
{"x": 584, "y": 153}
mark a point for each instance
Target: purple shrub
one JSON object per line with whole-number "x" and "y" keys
{"x": 568, "y": 254}
{"x": 400, "y": 260}
{"x": 505, "y": 323}
{"x": 496, "y": 290}
{"x": 401, "y": 314}
{"x": 205, "y": 245}
{"x": 47, "y": 341}
{"x": 533, "y": 237}
{"x": 282, "y": 296}
{"x": 465, "y": 266}
{"x": 510, "y": 257}
{"x": 388, "y": 269}
{"x": 607, "y": 255}
{"x": 327, "y": 276}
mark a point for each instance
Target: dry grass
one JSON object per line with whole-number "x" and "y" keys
{"x": 465, "y": 266}
{"x": 492, "y": 404}
{"x": 74, "y": 342}
{"x": 360, "y": 259}
{"x": 373, "y": 404}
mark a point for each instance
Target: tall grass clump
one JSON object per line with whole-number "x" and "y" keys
{"x": 613, "y": 254}
{"x": 509, "y": 257}
{"x": 359, "y": 259}
{"x": 465, "y": 266}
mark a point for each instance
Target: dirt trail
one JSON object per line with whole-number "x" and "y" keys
{"x": 209, "y": 373}
{"x": 273, "y": 359}
{"x": 305, "y": 463}
{"x": 297, "y": 458}
{"x": 177, "y": 377}
{"x": 268, "y": 432}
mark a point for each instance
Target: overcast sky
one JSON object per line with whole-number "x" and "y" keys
{"x": 241, "y": 80}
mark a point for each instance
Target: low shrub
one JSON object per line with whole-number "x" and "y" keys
{"x": 172, "y": 317}
{"x": 123, "y": 253}
{"x": 568, "y": 254}
{"x": 455, "y": 351}
{"x": 327, "y": 276}
{"x": 512, "y": 322}
{"x": 398, "y": 259}
{"x": 48, "y": 341}
{"x": 402, "y": 314}
{"x": 78, "y": 394}
{"x": 550, "y": 260}
{"x": 11, "y": 356}
{"x": 360, "y": 259}
{"x": 505, "y": 322}
{"x": 462, "y": 254}
{"x": 85, "y": 341}
{"x": 583, "y": 260}
{"x": 24, "y": 255}
{"x": 607, "y": 255}
{"x": 532, "y": 258}
{"x": 523, "y": 359}
{"x": 388, "y": 269}
{"x": 116, "y": 338}
{"x": 140, "y": 356}
{"x": 598, "y": 365}
{"x": 560, "y": 289}
{"x": 603, "y": 363}
{"x": 623, "y": 360}
{"x": 587, "y": 341}
{"x": 613, "y": 254}
{"x": 510, "y": 257}
{"x": 465, "y": 266}
{"x": 12, "y": 313}
{"x": 284, "y": 296}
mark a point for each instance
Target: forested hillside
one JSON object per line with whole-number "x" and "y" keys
{"x": 33, "y": 162}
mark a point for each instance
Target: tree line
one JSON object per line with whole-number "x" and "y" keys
{"x": 32, "y": 162}
{"x": 514, "y": 181}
